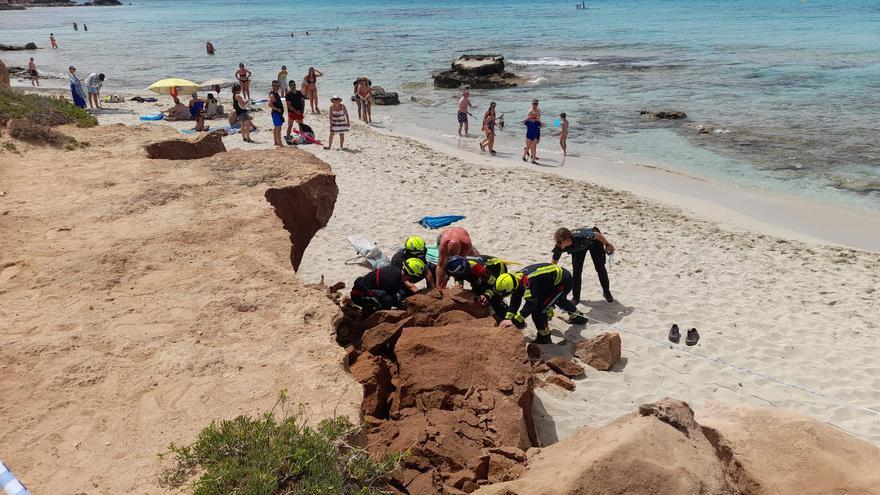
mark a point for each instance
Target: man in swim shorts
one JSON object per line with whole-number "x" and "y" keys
{"x": 277, "y": 107}
{"x": 463, "y": 105}
{"x": 452, "y": 241}
{"x": 296, "y": 105}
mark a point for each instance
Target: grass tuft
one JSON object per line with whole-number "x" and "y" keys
{"x": 277, "y": 453}
{"x": 17, "y": 105}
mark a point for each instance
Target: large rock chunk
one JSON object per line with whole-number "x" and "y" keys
{"x": 663, "y": 115}
{"x": 601, "y": 352}
{"x": 375, "y": 375}
{"x": 187, "y": 149}
{"x": 564, "y": 367}
{"x": 427, "y": 309}
{"x": 307, "y": 207}
{"x": 479, "y": 65}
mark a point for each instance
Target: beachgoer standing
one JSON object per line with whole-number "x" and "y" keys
{"x": 76, "y": 88}
{"x": 32, "y": 71}
{"x": 240, "y": 105}
{"x": 52, "y": 40}
{"x": 489, "y": 130}
{"x": 563, "y": 135}
{"x": 74, "y": 27}
{"x": 276, "y": 106}
{"x": 533, "y": 130}
{"x": 463, "y": 105}
{"x": 310, "y": 88}
{"x": 93, "y": 86}
{"x": 537, "y": 112}
{"x": 296, "y": 105}
{"x": 365, "y": 100}
{"x": 282, "y": 80}
{"x": 339, "y": 122}
{"x": 243, "y": 76}
{"x": 85, "y": 28}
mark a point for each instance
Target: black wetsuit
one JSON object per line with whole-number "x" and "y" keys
{"x": 582, "y": 241}
{"x": 482, "y": 272}
{"x": 542, "y": 286}
{"x": 403, "y": 255}
{"x": 380, "y": 289}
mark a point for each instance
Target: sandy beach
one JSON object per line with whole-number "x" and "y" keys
{"x": 770, "y": 308}
{"x": 787, "y": 319}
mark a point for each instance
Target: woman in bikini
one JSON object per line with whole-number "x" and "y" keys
{"x": 310, "y": 88}
{"x": 365, "y": 95}
{"x": 244, "y": 80}
{"x": 489, "y": 129}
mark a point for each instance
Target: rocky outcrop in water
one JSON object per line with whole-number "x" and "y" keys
{"x": 10, "y": 48}
{"x": 187, "y": 149}
{"x": 477, "y": 71}
{"x": 663, "y": 115}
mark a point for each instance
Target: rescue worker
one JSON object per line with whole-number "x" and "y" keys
{"x": 480, "y": 272}
{"x": 387, "y": 287}
{"x": 578, "y": 242}
{"x": 414, "y": 247}
{"x": 538, "y": 288}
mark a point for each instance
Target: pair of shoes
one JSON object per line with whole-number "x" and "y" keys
{"x": 693, "y": 336}
{"x": 543, "y": 339}
{"x": 608, "y": 296}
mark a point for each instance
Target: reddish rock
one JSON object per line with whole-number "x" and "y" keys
{"x": 187, "y": 149}
{"x": 427, "y": 308}
{"x": 306, "y": 207}
{"x": 374, "y": 374}
{"x": 381, "y": 338}
{"x": 384, "y": 316}
{"x": 601, "y": 352}
{"x": 534, "y": 352}
{"x": 564, "y": 367}
{"x": 454, "y": 316}
{"x": 562, "y": 381}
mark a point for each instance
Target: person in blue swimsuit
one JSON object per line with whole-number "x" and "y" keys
{"x": 533, "y": 133}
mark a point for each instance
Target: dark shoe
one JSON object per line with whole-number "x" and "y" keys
{"x": 576, "y": 319}
{"x": 543, "y": 339}
{"x": 575, "y": 301}
{"x": 674, "y": 334}
{"x": 608, "y": 296}
{"x": 693, "y": 337}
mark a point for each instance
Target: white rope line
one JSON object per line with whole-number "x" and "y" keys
{"x": 736, "y": 367}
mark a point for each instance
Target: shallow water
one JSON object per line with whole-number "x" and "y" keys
{"x": 791, "y": 86}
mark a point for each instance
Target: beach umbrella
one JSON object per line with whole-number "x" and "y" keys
{"x": 210, "y": 83}
{"x": 165, "y": 86}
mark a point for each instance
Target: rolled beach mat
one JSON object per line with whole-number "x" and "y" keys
{"x": 10, "y": 483}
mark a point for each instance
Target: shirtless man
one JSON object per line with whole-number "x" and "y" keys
{"x": 563, "y": 134}
{"x": 463, "y": 105}
{"x": 454, "y": 241}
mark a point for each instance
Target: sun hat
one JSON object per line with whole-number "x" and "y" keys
{"x": 336, "y": 97}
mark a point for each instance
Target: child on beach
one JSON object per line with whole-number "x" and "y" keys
{"x": 463, "y": 105}
{"x": 563, "y": 135}
{"x": 282, "y": 80}
{"x": 52, "y": 40}
{"x": 533, "y": 129}
{"x": 339, "y": 122}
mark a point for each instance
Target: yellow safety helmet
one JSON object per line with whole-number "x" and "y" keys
{"x": 415, "y": 244}
{"x": 506, "y": 283}
{"x": 414, "y": 267}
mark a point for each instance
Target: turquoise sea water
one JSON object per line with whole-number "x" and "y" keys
{"x": 792, "y": 87}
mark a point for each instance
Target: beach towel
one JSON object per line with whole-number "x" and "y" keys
{"x": 367, "y": 251}
{"x": 76, "y": 91}
{"x": 437, "y": 222}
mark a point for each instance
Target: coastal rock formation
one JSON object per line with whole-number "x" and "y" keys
{"x": 601, "y": 352}
{"x": 202, "y": 146}
{"x": 456, "y": 391}
{"x": 731, "y": 450}
{"x": 564, "y": 367}
{"x": 477, "y": 71}
{"x": 9, "y": 48}
{"x": 306, "y": 207}
{"x": 172, "y": 305}
{"x": 381, "y": 97}
{"x": 663, "y": 115}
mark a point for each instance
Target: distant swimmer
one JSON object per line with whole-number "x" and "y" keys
{"x": 52, "y": 40}
{"x": 74, "y": 27}
{"x": 563, "y": 135}
{"x": 85, "y": 28}
{"x": 209, "y": 47}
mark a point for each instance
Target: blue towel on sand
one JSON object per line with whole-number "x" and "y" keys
{"x": 437, "y": 222}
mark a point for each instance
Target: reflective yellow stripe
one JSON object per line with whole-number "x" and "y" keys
{"x": 556, "y": 270}
{"x": 527, "y": 294}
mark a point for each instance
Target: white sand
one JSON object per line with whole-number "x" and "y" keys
{"x": 775, "y": 308}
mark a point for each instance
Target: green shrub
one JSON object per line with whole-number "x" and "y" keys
{"x": 25, "y": 130}
{"x": 16, "y": 105}
{"x": 277, "y": 454}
